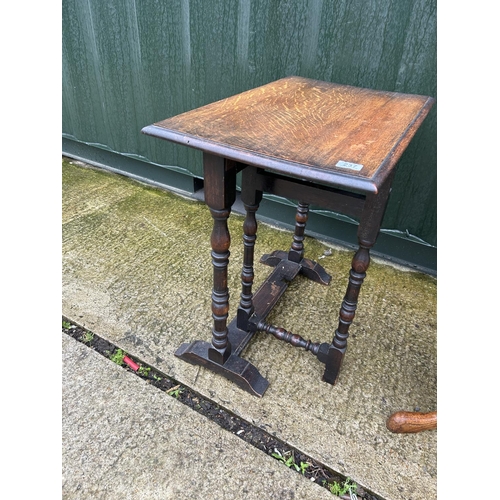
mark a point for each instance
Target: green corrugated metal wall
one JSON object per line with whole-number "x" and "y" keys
{"x": 129, "y": 63}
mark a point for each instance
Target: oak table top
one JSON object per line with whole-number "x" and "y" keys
{"x": 334, "y": 134}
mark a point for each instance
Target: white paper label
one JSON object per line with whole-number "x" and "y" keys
{"x": 349, "y": 165}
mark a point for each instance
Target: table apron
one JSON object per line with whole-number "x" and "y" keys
{"x": 345, "y": 202}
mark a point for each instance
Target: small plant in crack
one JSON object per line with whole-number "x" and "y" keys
{"x": 87, "y": 337}
{"x": 66, "y": 325}
{"x": 175, "y": 391}
{"x": 144, "y": 371}
{"x": 339, "y": 489}
{"x": 289, "y": 460}
{"x": 117, "y": 357}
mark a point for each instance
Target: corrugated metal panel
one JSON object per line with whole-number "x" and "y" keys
{"x": 127, "y": 64}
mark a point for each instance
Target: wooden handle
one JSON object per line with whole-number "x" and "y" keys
{"x": 409, "y": 421}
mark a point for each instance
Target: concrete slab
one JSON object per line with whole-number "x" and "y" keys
{"x": 124, "y": 439}
{"x": 137, "y": 271}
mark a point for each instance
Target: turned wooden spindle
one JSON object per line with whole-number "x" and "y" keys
{"x": 296, "y": 252}
{"x": 289, "y": 337}
{"x": 220, "y": 240}
{"x": 220, "y": 193}
{"x": 251, "y": 197}
{"x": 247, "y": 273}
{"x": 411, "y": 421}
{"x": 360, "y": 264}
{"x": 337, "y": 350}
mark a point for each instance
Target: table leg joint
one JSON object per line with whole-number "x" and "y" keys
{"x": 308, "y": 268}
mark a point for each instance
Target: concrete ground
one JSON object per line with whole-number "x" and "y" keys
{"x": 137, "y": 272}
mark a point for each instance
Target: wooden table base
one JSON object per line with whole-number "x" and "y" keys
{"x": 243, "y": 327}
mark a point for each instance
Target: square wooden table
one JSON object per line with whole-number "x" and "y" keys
{"x": 331, "y": 145}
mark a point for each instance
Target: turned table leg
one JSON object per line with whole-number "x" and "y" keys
{"x": 251, "y": 199}
{"x": 336, "y": 352}
{"x": 220, "y": 194}
{"x": 296, "y": 252}
{"x": 220, "y": 240}
{"x": 308, "y": 268}
{"x": 369, "y": 227}
{"x": 221, "y": 355}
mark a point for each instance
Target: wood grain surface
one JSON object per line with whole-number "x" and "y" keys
{"x": 311, "y": 123}
{"x": 412, "y": 421}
